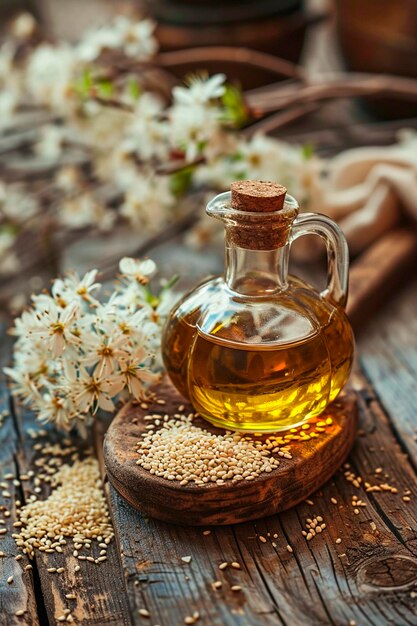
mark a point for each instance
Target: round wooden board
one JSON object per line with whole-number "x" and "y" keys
{"x": 313, "y": 462}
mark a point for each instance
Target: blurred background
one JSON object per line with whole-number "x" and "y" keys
{"x": 315, "y": 74}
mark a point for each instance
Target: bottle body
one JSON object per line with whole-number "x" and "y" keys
{"x": 259, "y": 350}
{"x": 259, "y": 366}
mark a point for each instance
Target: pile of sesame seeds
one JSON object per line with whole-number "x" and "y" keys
{"x": 180, "y": 450}
{"x": 174, "y": 447}
{"x": 75, "y": 509}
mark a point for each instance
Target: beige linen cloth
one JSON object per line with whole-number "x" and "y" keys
{"x": 368, "y": 189}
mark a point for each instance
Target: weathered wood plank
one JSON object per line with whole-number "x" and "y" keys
{"x": 380, "y": 270}
{"x": 100, "y": 589}
{"x": 20, "y": 594}
{"x": 366, "y": 577}
{"x": 388, "y": 353}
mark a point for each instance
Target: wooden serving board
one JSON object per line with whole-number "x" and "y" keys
{"x": 313, "y": 462}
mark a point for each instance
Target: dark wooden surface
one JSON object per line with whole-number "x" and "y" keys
{"x": 368, "y": 578}
{"x": 313, "y": 462}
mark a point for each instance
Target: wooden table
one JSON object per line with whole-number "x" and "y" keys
{"x": 361, "y": 570}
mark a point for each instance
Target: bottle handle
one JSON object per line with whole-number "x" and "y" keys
{"x": 337, "y": 252}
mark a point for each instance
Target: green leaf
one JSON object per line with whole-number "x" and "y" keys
{"x": 181, "y": 181}
{"x": 307, "y": 151}
{"x": 84, "y": 84}
{"x": 236, "y": 111}
{"x": 105, "y": 88}
{"x": 134, "y": 89}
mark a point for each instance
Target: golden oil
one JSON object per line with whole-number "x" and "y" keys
{"x": 265, "y": 387}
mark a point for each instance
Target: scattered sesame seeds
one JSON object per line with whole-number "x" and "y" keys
{"x": 236, "y": 588}
{"x": 186, "y": 559}
{"x": 223, "y": 565}
{"x": 262, "y": 539}
{"x": 314, "y": 526}
{"x": 289, "y": 548}
{"x": 206, "y": 532}
{"x": 10, "y": 580}
{"x": 144, "y": 613}
{"x": 338, "y": 540}
{"x": 235, "y": 565}
{"x": 20, "y": 612}
{"x": 333, "y": 500}
{"x": 216, "y": 584}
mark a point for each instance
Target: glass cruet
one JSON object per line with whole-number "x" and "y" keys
{"x": 260, "y": 350}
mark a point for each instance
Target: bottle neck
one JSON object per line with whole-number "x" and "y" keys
{"x": 256, "y": 272}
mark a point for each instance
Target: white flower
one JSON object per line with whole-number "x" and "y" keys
{"x": 50, "y": 73}
{"x": 72, "y": 287}
{"x": 141, "y": 271}
{"x": 54, "y": 325}
{"x": 24, "y": 26}
{"x": 8, "y": 105}
{"x": 104, "y": 350}
{"x": 89, "y": 393}
{"x": 133, "y": 38}
{"x": 191, "y": 128}
{"x": 57, "y": 409}
{"x": 75, "y": 355}
{"x": 200, "y": 91}
{"x": 16, "y": 204}
{"x": 51, "y": 141}
{"x": 85, "y": 210}
{"x": 23, "y": 385}
{"x": 136, "y": 374}
{"x": 148, "y": 201}
{"x": 147, "y": 136}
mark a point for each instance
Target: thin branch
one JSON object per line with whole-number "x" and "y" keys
{"x": 331, "y": 86}
{"x": 227, "y": 54}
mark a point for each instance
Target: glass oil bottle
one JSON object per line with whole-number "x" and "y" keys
{"x": 260, "y": 350}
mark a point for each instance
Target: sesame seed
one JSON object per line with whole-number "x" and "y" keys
{"x": 235, "y": 565}
{"x": 144, "y": 613}
{"x": 217, "y": 584}
{"x": 206, "y": 532}
{"x": 223, "y": 565}
{"x": 262, "y": 539}
{"x": 10, "y": 580}
{"x": 289, "y": 548}
{"x": 186, "y": 559}
{"x": 20, "y": 612}
{"x": 76, "y": 508}
{"x": 176, "y": 449}
{"x": 236, "y": 588}
{"x": 338, "y": 540}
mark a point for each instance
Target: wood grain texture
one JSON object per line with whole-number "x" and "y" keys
{"x": 100, "y": 589}
{"x": 368, "y": 577}
{"x": 388, "y": 355}
{"x": 313, "y": 463}
{"x": 380, "y": 271}
{"x": 20, "y": 595}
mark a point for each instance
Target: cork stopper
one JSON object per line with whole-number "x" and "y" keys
{"x": 257, "y": 195}
{"x": 270, "y": 228}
